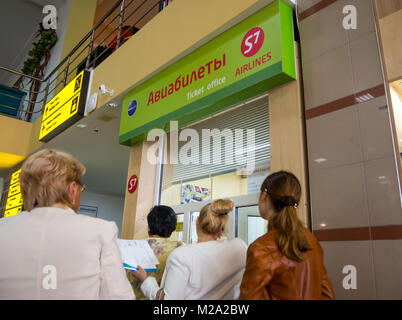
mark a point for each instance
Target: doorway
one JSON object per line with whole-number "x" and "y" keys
{"x": 244, "y": 221}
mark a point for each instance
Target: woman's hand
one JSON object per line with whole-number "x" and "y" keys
{"x": 140, "y": 274}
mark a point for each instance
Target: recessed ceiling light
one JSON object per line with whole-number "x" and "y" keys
{"x": 381, "y": 177}
{"x": 319, "y": 160}
{"x": 323, "y": 225}
{"x": 112, "y": 105}
{"x": 81, "y": 125}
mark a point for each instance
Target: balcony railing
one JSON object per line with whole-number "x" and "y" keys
{"x": 121, "y": 22}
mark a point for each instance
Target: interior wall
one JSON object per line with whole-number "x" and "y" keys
{"x": 110, "y": 207}
{"x": 287, "y": 134}
{"x": 23, "y": 34}
{"x": 137, "y": 14}
{"x": 63, "y": 12}
{"x": 79, "y": 23}
{"x": 355, "y": 198}
{"x": 16, "y": 136}
{"x": 173, "y": 32}
{"x": 22, "y": 139}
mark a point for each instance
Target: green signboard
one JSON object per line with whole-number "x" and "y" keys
{"x": 252, "y": 57}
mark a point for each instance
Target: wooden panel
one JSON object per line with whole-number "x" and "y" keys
{"x": 288, "y": 150}
{"x": 138, "y": 204}
{"x": 390, "y": 42}
{"x": 397, "y": 110}
{"x": 397, "y": 87}
{"x": 391, "y": 38}
{"x": 387, "y": 7}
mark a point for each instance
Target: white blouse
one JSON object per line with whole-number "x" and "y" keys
{"x": 209, "y": 270}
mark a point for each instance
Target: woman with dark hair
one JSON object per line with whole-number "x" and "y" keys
{"x": 286, "y": 262}
{"x": 208, "y": 270}
{"x": 161, "y": 224}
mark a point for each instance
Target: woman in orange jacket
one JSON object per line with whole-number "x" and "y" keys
{"x": 286, "y": 262}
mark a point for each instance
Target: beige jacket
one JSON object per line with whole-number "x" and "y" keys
{"x": 52, "y": 253}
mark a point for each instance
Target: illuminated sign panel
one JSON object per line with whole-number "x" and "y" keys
{"x": 66, "y": 108}
{"x": 252, "y": 57}
{"x": 14, "y": 198}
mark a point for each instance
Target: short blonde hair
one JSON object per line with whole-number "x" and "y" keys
{"x": 45, "y": 177}
{"x": 213, "y": 217}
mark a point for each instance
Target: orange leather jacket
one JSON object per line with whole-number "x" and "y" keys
{"x": 270, "y": 275}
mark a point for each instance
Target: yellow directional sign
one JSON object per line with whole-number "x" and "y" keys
{"x": 12, "y": 212}
{"x": 14, "y": 201}
{"x": 14, "y": 189}
{"x": 14, "y": 198}
{"x": 65, "y": 108}
{"x": 15, "y": 177}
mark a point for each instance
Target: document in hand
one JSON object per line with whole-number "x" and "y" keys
{"x": 137, "y": 253}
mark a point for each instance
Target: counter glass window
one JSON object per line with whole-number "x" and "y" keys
{"x": 224, "y": 155}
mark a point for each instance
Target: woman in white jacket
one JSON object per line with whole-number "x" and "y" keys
{"x": 51, "y": 252}
{"x": 211, "y": 269}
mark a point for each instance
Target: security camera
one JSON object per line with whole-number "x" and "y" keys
{"x": 103, "y": 90}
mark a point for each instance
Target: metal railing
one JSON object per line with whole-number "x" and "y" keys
{"x": 122, "y": 21}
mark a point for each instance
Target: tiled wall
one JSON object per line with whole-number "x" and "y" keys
{"x": 352, "y": 170}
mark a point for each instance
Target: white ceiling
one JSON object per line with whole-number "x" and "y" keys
{"x": 105, "y": 159}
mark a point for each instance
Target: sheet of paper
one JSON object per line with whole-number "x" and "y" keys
{"x": 137, "y": 252}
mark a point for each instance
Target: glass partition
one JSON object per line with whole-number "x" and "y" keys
{"x": 249, "y": 225}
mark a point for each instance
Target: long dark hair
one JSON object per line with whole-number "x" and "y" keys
{"x": 284, "y": 191}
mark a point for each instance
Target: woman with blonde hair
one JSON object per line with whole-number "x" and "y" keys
{"x": 287, "y": 262}
{"x": 51, "y": 252}
{"x": 209, "y": 270}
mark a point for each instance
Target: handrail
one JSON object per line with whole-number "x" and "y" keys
{"x": 19, "y": 73}
{"x": 58, "y": 77}
{"x": 85, "y": 37}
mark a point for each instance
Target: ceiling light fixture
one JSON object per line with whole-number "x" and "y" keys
{"x": 364, "y": 98}
{"x": 319, "y": 160}
{"x": 112, "y": 105}
{"x": 81, "y": 125}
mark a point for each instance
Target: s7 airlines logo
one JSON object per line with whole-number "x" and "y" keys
{"x": 252, "y": 42}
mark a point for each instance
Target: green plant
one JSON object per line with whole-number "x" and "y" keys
{"x": 47, "y": 40}
{"x": 39, "y": 57}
